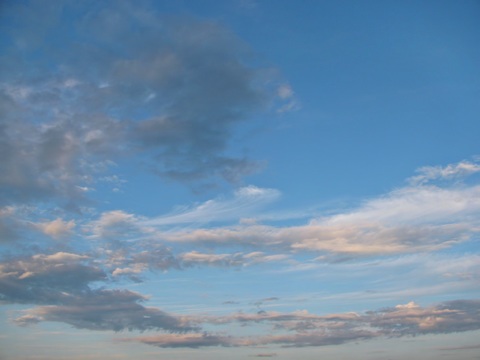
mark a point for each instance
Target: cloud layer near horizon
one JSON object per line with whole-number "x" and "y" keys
{"x": 304, "y": 329}
{"x": 129, "y": 246}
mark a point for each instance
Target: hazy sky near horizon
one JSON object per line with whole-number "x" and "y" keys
{"x": 203, "y": 179}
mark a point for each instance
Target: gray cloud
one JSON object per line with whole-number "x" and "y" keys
{"x": 456, "y": 348}
{"x": 55, "y": 160}
{"x": 188, "y": 340}
{"x": 315, "y": 330}
{"x": 124, "y": 80}
{"x": 9, "y": 228}
{"x": 265, "y": 355}
{"x": 115, "y": 310}
{"x": 125, "y": 262}
{"x": 46, "y": 279}
{"x": 62, "y": 282}
{"x": 451, "y": 316}
{"x": 298, "y": 340}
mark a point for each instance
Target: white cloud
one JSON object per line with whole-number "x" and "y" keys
{"x": 410, "y": 219}
{"x": 196, "y": 258}
{"x": 60, "y": 257}
{"x": 245, "y": 202}
{"x": 458, "y": 170}
{"x": 114, "y": 223}
{"x": 57, "y": 228}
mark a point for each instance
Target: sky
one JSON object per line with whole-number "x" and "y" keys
{"x": 243, "y": 179}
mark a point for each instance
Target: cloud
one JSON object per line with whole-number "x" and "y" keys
{"x": 127, "y": 82}
{"x": 184, "y": 341}
{"x": 196, "y": 258}
{"x": 46, "y": 279}
{"x": 314, "y": 330}
{"x": 202, "y": 340}
{"x": 61, "y": 282}
{"x": 58, "y": 158}
{"x": 285, "y": 91}
{"x": 114, "y": 224}
{"x": 264, "y": 300}
{"x": 287, "y": 96}
{"x": 57, "y": 228}
{"x": 452, "y": 171}
{"x": 456, "y": 348}
{"x": 100, "y": 309}
{"x": 133, "y": 264}
{"x": 9, "y": 224}
{"x": 245, "y": 202}
{"x": 225, "y": 260}
{"x": 409, "y": 219}
{"x": 420, "y": 218}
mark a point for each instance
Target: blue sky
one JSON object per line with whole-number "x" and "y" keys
{"x": 203, "y": 179}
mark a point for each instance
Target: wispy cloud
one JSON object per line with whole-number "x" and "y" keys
{"x": 452, "y": 171}
{"x": 409, "y": 219}
{"x": 246, "y": 201}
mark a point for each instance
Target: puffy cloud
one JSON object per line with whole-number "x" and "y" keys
{"x": 57, "y": 228}
{"x": 186, "y": 340}
{"x": 114, "y": 224}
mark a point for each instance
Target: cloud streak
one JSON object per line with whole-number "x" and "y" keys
{"x": 314, "y": 330}
{"x": 245, "y": 203}
{"x": 409, "y": 219}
